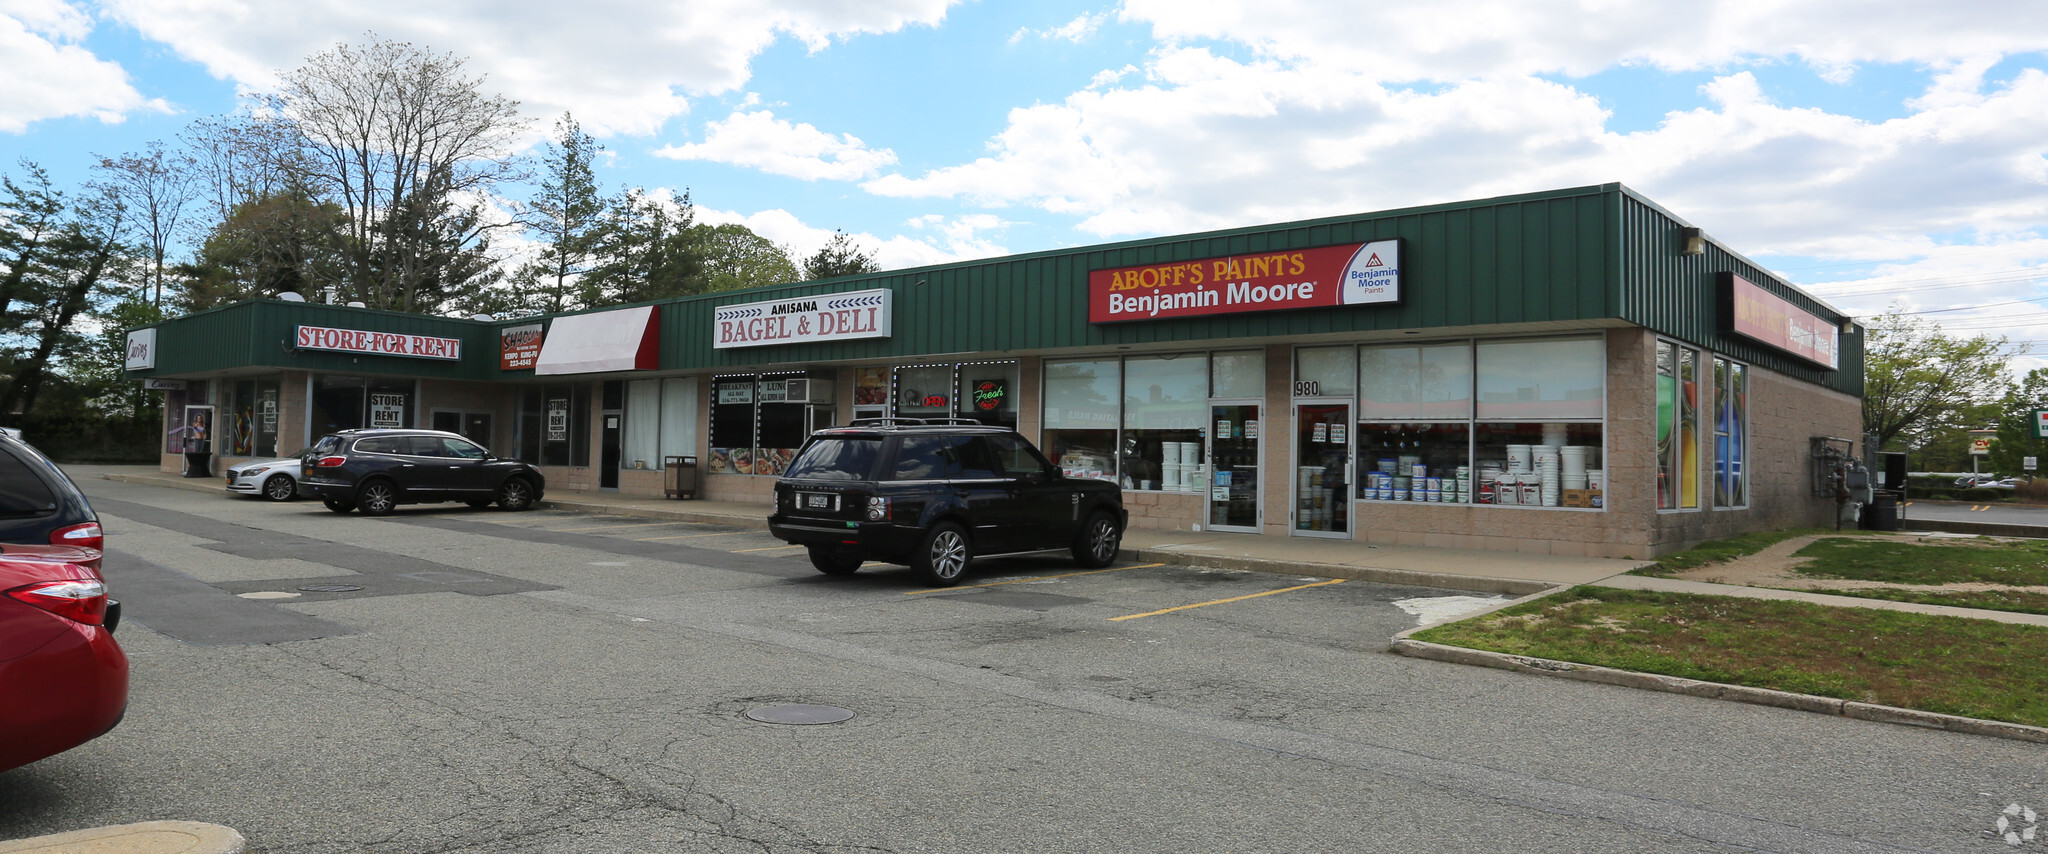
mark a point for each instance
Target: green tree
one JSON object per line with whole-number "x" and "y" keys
{"x": 86, "y": 259}
{"x": 647, "y": 252}
{"x": 156, "y": 186}
{"x": 274, "y": 243}
{"x": 735, "y": 257}
{"x": 839, "y": 257}
{"x": 31, "y": 219}
{"x": 568, "y": 217}
{"x": 1918, "y": 381}
{"x": 2016, "y": 439}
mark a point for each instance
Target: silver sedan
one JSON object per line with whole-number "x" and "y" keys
{"x": 277, "y": 480}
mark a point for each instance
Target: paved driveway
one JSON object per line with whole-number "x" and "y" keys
{"x": 550, "y": 682}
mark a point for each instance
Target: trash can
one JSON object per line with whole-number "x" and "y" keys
{"x": 198, "y": 464}
{"x": 679, "y": 477}
{"x": 1883, "y": 512}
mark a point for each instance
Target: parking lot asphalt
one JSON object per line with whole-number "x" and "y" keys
{"x": 565, "y": 681}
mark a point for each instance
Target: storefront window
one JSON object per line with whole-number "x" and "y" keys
{"x": 1539, "y": 464}
{"x": 1731, "y": 433}
{"x": 554, "y": 425}
{"x": 238, "y": 420}
{"x": 1428, "y": 382}
{"x": 268, "y": 406}
{"x": 1325, "y": 372}
{"x": 732, "y": 426}
{"x": 1238, "y": 374}
{"x": 347, "y": 403}
{"x": 782, "y": 424}
{"x": 1081, "y": 416}
{"x": 988, "y": 393}
{"x": 1415, "y": 461}
{"x": 1542, "y": 380}
{"x": 641, "y": 446}
{"x": 1165, "y": 408}
{"x": 1678, "y": 453}
{"x": 679, "y": 407}
{"x": 924, "y": 391}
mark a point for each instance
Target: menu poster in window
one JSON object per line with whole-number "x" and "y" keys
{"x": 387, "y": 410}
{"x": 989, "y": 394}
{"x": 1337, "y": 433}
{"x": 870, "y": 387}
{"x": 266, "y": 409}
{"x": 558, "y": 419}
{"x": 1322, "y": 433}
{"x": 1251, "y": 429}
{"x": 736, "y": 394}
{"x": 1223, "y": 429}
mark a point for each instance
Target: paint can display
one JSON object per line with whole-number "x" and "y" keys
{"x": 1518, "y": 458}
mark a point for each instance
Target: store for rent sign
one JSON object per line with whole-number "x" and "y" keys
{"x": 828, "y": 317}
{"x": 1766, "y": 318}
{"x": 379, "y": 343}
{"x": 1351, "y": 274}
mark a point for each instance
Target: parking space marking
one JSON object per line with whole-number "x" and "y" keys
{"x": 768, "y": 549}
{"x": 615, "y": 527}
{"x": 689, "y": 536}
{"x": 1225, "y": 601}
{"x": 1032, "y": 578}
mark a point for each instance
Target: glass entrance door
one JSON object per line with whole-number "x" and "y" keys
{"x": 1322, "y": 472}
{"x": 1234, "y": 461}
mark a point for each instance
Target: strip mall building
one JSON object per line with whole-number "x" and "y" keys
{"x": 1572, "y": 372}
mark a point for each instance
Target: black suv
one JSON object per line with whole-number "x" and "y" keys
{"x": 38, "y": 503}
{"x": 377, "y": 470}
{"x": 935, "y": 496}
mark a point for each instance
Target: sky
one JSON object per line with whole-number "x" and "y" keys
{"x": 1876, "y": 153}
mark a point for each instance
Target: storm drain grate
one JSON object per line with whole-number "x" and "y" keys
{"x": 330, "y": 588}
{"x": 800, "y": 714}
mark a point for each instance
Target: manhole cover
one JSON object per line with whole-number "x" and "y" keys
{"x": 800, "y": 714}
{"x": 330, "y": 588}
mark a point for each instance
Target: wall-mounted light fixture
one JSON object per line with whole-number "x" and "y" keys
{"x": 1848, "y": 326}
{"x": 1691, "y": 242}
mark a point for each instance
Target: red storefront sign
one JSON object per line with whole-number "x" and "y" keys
{"x": 1757, "y": 314}
{"x": 1351, "y": 274}
{"x": 378, "y": 343}
{"x": 518, "y": 346}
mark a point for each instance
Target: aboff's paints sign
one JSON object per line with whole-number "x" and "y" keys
{"x": 1361, "y": 274}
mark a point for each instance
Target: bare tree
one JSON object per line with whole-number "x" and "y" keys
{"x": 155, "y": 187}
{"x": 392, "y": 131}
{"x": 239, "y": 158}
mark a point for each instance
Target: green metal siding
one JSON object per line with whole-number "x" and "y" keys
{"x": 1583, "y": 255}
{"x": 259, "y": 333}
{"x": 1674, "y": 294}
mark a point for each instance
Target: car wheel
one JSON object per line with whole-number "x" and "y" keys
{"x": 280, "y": 488}
{"x": 377, "y": 498}
{"x": 479, "y": 503}
{"x": 834, "y": 563}
{"x": 337, "y": 505}
{"x": 516, "y": 494}
{"x": 942, "y": 557}
{"x": 1097, "y": 544}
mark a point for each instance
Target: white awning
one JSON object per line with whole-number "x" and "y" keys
{"x": 621, "y": 340}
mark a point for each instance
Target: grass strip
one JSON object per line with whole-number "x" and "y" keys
{"x": 1990, "y": 600}
{"x": 2020, "y": 563}
{"x": 1950, "y": 665}
{"x": 1716, "y": 551}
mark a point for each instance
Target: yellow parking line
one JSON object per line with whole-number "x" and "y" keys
{"x": 768, "y": 549}
{"x": 1224, "y": 601}
{"x": 687, "y": 536}
{"x": 616, "y": 527}
{"x": 1033, "y": 578}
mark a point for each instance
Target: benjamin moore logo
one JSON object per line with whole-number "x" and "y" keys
{"x": 1374, "y": 274}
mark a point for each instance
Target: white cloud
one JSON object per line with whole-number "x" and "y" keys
{"x": 952, "y": 239}
{"x": 50, "y": 75}
{"x": 1448, "y": 40}
{"x": 622, "y": 66}
{"x": 759, "y": 140}
{"x": 1077, "y": 30}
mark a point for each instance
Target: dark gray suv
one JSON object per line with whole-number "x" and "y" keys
{"x": 377, "y": 470}
{"x": 935, "y": 496}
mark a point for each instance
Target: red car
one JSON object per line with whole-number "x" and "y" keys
{"x": 63, "y": 679}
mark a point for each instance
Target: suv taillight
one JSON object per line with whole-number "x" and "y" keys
{"x": 87, "y": 534}
{"x": 878, "y": 509}
{"x": 82, "y": 601}
{"x": 331, "y": 462}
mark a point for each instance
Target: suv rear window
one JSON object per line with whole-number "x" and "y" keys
{"x": 837, "y": 458}
{"x": 327, "y": 445}
{"x": 22, "y": 493}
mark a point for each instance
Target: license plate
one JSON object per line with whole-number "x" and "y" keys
{"x": 814, "y": 501}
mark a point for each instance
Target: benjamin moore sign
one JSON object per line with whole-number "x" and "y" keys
{"x": 826, "y": 317}
{"x": 1351, "y": 274}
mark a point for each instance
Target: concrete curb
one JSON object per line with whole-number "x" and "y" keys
{"x": 149, "y": 837}
{"x": 1416, "y": 578}
{"x": 1403, "y": 645}
{"x": 664, "y": 514}
{"x": 1987, "y": 529}
{"x": 215, "y": 485}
